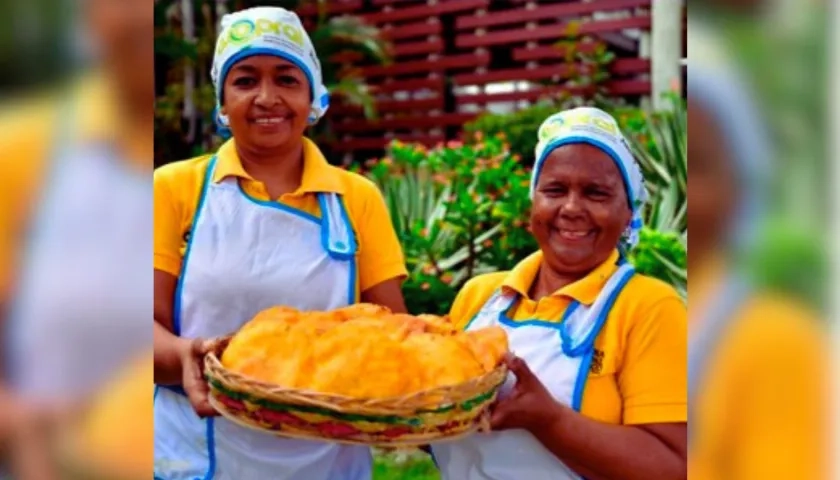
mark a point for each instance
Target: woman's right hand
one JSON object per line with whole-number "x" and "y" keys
{"x": 194, "y": 383}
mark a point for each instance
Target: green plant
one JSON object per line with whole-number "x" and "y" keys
{"x": 458, "y": 210}
{"x": 662, "y": 255}
{"x": 659, "y": 142}
{"x": 518, "y": 128}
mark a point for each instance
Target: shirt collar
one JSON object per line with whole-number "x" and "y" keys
{"x": 318, "y": 174}
{"x": 585, "y": 290}
{"x": 100, "y": 122}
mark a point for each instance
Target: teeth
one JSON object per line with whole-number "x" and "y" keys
{"x": 268, "y": 121}
{"x": 571, "y": 234}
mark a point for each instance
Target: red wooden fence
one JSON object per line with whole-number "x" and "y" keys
{"x": 449, "y": 53}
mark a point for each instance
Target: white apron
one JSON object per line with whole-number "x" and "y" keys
{"x": 560, "y": 355}
{"x": 84, "y": 295}
{"x": 243, "y": 256}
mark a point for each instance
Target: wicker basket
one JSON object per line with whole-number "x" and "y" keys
{"x": 455, "y": 410}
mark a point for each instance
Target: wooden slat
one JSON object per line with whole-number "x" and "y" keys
{"x": 622, "y": 65}
{"x": 399, "y": 50}
{"x": 392, "y": 2}
{"x": 425, "y": 11}
{"x": 417, "y": 48}
{"x": 547, "y": 32}
{"x": 413, "y": 122}
{"x": 413, "y": 84}
{"x": 334, "y": 7}
{"x": 386, "y": 106}
{"x": 411, "y": 30}
{"x": 378, "y": 143}
{"x": 543, "y": 12}
{"x": 422, "y": 66}
{"x": 543, "y": 52}
{"x": 615, "y": 87}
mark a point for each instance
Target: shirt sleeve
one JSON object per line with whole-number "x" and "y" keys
{"x": 168, "y": 235}
{"x": 380, "y": 254}
{"x": 653, "y": 378}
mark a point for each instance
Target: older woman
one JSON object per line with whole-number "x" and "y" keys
{"x": 265, "y": 221}
{"x": 600, "y": 365}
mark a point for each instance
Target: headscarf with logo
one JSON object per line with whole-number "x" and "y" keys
{"x": 267, "y": 31}
{"x": 595, "y": 127}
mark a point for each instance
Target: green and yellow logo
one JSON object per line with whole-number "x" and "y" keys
{"x": 243, "y": 31}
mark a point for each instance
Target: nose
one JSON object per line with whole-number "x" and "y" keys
{"x": 572, "y": 204}
{"x": 266, "y": 95}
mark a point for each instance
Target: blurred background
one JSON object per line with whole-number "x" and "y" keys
{"x": 438, "y": 102}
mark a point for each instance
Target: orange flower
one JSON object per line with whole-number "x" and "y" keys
{"x": 446, "y": 278}
{"x": 454, "y": 144}
{"x": 488, "y": 243}
{"x": 479, "y": 136}
{"x": 425, "y": 286}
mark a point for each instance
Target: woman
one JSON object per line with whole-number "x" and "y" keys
{"x": 263, "y": 222}
{"x": 600, "y": 387}
{"x": 758, "y": 359}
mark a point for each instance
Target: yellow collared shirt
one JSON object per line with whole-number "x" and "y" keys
{"x": 760, "y": 410}
{"x": 638, "y": 373}
{"x": 177, "y": 189}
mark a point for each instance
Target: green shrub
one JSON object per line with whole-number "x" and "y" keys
{"x": 519, "y": 128}
{"x": 459, "y": 210}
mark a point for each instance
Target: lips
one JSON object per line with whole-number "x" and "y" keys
{"x": 269, "y": 121}
{"x": 573, "y": 235}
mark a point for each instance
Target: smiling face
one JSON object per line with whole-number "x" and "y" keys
{"x": 267, "y": 100}
{"x": 580, "y": 208}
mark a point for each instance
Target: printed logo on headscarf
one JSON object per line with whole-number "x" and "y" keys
{"x": 244, "y": 31}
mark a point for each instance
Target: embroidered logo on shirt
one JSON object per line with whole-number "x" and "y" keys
{"x": 597, "y": 362}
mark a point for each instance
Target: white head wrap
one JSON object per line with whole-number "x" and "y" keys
{"x": 597, "y": 128}
{"x": 267, "y": 31}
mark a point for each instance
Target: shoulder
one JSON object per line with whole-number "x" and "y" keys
{"x": 775, "y": 326}
{"x": 473, "y": 295}
{"x": 643, "y": 293}
{"x": 182, "y": 176}
{"x": 359, "y": 191}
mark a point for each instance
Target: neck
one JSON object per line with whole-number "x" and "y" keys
{"x": 281, "y": 169}
{"x": 549, "y": 281}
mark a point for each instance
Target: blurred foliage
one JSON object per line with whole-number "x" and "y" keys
{"x": 413, "y": 466}
{"x": 184, "y": 127}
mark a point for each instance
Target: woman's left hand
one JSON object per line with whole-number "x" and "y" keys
{"x": 528, "y": 406}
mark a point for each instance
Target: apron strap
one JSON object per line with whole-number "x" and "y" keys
{"x": 337, "y": 235}
{"x": 582, "y": 324}
{"x": 712, "y": 326}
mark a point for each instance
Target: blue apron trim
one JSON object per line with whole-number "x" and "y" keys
{"x": 574, "y": 351}
{"x": 580, "y": 381}
{"x": 176, "y": 317}
{"x": 338, "y": 250}
{"x": 211, "y": 449}
{"x": 279, "y": 206}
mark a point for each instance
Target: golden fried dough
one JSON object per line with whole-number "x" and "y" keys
{"x": 361, "y": 351}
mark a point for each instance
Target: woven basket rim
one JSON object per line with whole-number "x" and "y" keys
{"x": 261, "y": 389}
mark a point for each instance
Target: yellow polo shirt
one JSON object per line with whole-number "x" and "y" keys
{"x": 177, "y": 187}
{"x": 638, "y": 373}
{"x": 760, "y": 411}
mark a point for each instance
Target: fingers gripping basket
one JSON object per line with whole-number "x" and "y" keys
{"x": 439, "y": 414}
